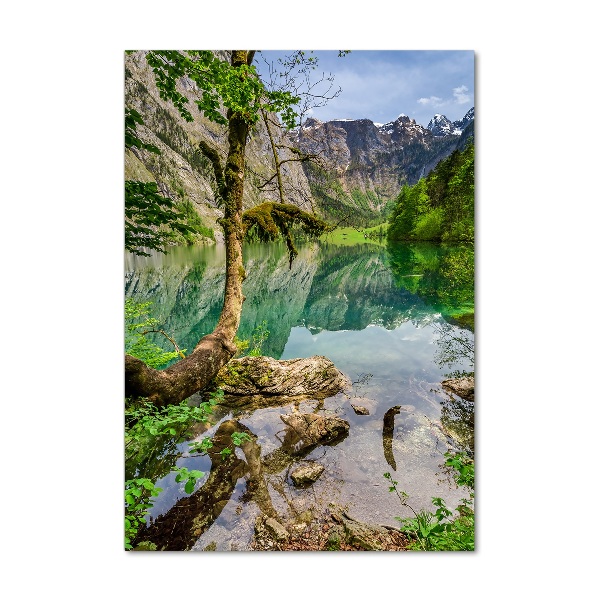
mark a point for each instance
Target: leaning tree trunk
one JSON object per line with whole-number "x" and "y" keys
{"x": 213, "y": 351}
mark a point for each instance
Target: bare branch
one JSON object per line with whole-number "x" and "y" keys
{"x": 177, "y": 349}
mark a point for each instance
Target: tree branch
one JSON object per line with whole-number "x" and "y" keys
{"x": 177, "y": 349}
{"x": 215, "y": 160}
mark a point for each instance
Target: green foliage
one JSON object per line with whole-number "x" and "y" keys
{"x": 253, "y": 346}
{"x": 137, "y": 326}
{"x": 441, "y": 530}
{"x": 152, "y": 220}
{"x": 226, "y": 453}
{"x": 238, "y": 89}
{"x": 259, "y": 337}
{"x": 429, "y": 225}
{"x": 138, "y": 499}
{"x": 239, "y": 437}
{"x": 132, "y": 120}
{"x": 189, "y": 478}
{"x": 201, "y": 447}
{"x": 440, "y": 207}
{"x": 194, "y": 220}
{"x": 144, "y": 421}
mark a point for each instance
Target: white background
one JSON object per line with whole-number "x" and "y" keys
{"x": 537, "y": 220}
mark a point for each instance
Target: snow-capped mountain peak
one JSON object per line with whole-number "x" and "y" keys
{"x": 441, "y": 126}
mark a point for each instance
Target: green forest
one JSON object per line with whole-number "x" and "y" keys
{"x": 441, "y": 206}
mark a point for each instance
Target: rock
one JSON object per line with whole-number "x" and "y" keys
{"x": 463, "y": 387}
{"x": 307, "y": 474}
{"x": 176, "y": 166}
{"x": 360, "y": 410}
{"x": 315, "y": 429}
{"x": 365, "y": 536}
{"x": 276, "y": 529}
{"x": 260, "y": 381}
{"x": 365, "y": 402}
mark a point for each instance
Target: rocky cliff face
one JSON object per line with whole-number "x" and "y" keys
{"x": 364, "y": 164}
{"x": 181, "y": 171}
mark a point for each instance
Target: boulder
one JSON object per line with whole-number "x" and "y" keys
{"x": 462, "y": 386}
{"x": 307, "y": 474}
{"x": 359, "y": 410}
{"x": 315, "y": 429}
{"x": 261, "y": 381}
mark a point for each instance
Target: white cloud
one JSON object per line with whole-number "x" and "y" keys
{"x": 431, "y": 101}
{"x": 460, "y": 94}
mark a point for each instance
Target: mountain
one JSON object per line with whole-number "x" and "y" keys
{"x": 362, "y": 165}
{"x": 441, "y": 126}
{"x": 181, "y": 171}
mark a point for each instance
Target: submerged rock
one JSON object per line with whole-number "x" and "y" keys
{"x": 276, "y": 529}
{"x": 307, "y": 474}
{"x": 315, "y": 429}
{"x": 463, "y": 387}
{"x": 261, "y": 381}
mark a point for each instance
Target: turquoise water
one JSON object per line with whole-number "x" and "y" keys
{"x": 396, "y": 320}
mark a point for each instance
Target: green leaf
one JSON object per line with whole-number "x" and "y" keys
{"x": 189, "y": 486}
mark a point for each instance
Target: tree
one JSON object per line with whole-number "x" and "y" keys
{"x": 236, "y": 86}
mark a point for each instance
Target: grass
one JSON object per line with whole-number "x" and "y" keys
{"x": 349, "y": 236}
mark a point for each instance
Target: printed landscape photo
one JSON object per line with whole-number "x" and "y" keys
{"x": 299, "y": 300}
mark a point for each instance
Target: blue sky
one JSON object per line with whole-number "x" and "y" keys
{"x": 380, "y": 85}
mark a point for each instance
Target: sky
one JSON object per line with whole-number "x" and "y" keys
{"x": 380, "y": 85}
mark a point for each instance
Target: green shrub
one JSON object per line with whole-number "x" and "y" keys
{"x": 441, "y": 530}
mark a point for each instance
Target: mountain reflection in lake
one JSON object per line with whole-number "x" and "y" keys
{"x": 396, "y": 320}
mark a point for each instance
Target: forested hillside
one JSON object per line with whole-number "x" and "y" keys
{"x": 363, "y": 165}
{"x": 441, "y": 206}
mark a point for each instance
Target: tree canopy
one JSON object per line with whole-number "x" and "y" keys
{"x": 441, "y": 206}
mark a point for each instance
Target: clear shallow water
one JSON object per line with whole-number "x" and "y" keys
{"x": 388, "y": 318}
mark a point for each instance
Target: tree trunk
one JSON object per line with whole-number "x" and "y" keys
{"x": 213, "y": 351}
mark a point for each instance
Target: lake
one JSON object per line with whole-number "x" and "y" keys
{"x": 396, "y": 319}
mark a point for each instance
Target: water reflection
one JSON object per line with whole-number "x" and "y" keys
{"x": 329, "y": 288}
{"x": 403, "y": 314}
{"x": 191, "y": 516}
{"x": 183, "y": 524}
{"x": 388, "y": 434}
